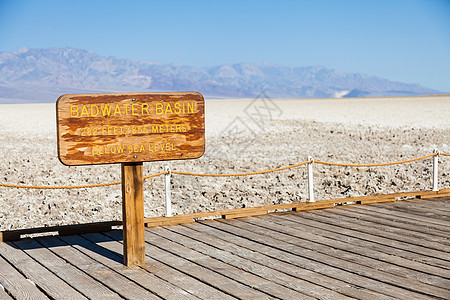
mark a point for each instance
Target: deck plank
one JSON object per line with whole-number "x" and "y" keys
{"x": 3, "y": 294}
{"x": 390, "y": 210}
{"x": 383, "y": 237}
{"x": 172, "y": 275}
{"x": 113, "y": 280}
{"x": 409, "y": 208}
{"x": 403, "y": 220}
{"x": 79, "y": 280}
{"x": 207, "y": 261}
{"x": 364, "y": 247}
{"x": 438, "y": 206}
{"x": 317, "y": 252}
{"x": 52, "y": 285}
{"x": 320, "y": 241}
{"x": 288, "y": 287}
{"x": 310, "y": 260}
{"x": 377, "y": 243}
{"x": 378, "y": 251}
{"x": 208, "y": 276}
{"x": 16, "y": 284}
{"x": 427, "y": 236}
{"x": 318, "y": 283}
{"x": 144, "y": 279}
{"x": 395, "y": 234}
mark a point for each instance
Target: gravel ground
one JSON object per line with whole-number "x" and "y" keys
{"x": 237, "y": 141}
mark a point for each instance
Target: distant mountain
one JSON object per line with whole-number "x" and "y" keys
{"x": 41, "y": 75}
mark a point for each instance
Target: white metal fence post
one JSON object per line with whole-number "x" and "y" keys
{"x": 167, "y": 189}
{"x": 435, "y": 171}
{"x": 310, "y": 180}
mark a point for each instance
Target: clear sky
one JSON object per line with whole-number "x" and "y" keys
{"x": 403, "y": 40}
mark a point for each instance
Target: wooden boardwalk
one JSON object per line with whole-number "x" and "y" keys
{"x": 379, "y": 251}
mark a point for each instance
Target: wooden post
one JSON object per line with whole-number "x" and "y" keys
{"x": 435, "y": 171}
{"x": 133, "y": 214}
{"x": 167, "y": 190}
{"x": 310, "y": 180}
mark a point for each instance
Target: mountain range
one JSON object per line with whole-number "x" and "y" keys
{"x": 42, "y": 75}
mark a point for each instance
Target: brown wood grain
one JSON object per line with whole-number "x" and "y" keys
{"x": 117, "y": 128}
{"x": 133, "y": 214}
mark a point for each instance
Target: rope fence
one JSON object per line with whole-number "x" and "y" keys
{"x": 168, "y": 172}
{"x": 310, "y": 162}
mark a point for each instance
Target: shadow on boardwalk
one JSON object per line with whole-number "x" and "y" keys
{"x": 379, "y": 251}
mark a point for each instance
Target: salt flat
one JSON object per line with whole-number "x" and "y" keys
{"x": 242, "y": 135}
{"x": 420, "y": 112}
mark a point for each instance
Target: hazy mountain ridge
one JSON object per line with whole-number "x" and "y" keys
{"x": 43, "y": 74}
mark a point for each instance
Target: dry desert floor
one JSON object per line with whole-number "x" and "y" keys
{"x": 241, "y": 136}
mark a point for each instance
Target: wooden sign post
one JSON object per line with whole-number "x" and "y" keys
{"x": 130, "y": 129}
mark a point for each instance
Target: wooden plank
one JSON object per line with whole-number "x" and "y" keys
{"x": 52, "y": 285}
{"x": 79, "y": 280}
{"x": 339, "y": 248}
{"x": 348, "y": 261}
{"x": 373, "y": 242}
{"x": 379, "y": 200}
{"x": 441, "y": 200}
{"x": 245, "y": 215}
{"x": 171, "y": 275}
{"x": 286, "y": 286}
{"x": 442, "y": 218}
{"x": 133, "y": 214}
{"x": 420, "y": 253}
{"x": 439, "y": 204}
{"x": 312, "y": 261}
{"x": 297, "y": 206}
{"x": 120, "y": 128}
{"x": 364, "y": 247}
{"x": 110, "y": 278}
{"x": 16, "y": 284}
{"x": 90, "y": 245}
{"x": 3, "y": 294}
{"x": 393, "y": 233}
{"x": 416, "y": 231}
{"x": 313, "y": 284}
{"x": 260, "y": 285}
{"x": 167, "y": 221}
{"x": 426, "y": 248}
{"x": 141, "y": 277}
{"x": 210, "y": 276}
{"x": 425, "y": 221}
{"x": 436, "y": 196}
{"x": 404, "y": 219}
{"x": 435, "y": 206}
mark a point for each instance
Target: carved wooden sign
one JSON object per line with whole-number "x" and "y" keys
{"x": 123, "y": 128}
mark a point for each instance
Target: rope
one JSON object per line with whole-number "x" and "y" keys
{"x": 72, "y": 186}
{"x": 374, "y": 165}
{"x": 59, "y": 187}
{"x": 242, "y": 174}
{"x": 222, "y": 175}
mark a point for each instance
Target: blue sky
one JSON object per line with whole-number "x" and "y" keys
{"x": 403, "y": 40}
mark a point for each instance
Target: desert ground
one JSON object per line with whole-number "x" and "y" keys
{"x": 242, "y": 135}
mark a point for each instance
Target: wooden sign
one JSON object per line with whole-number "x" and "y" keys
{"x": 123, "y": 128}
